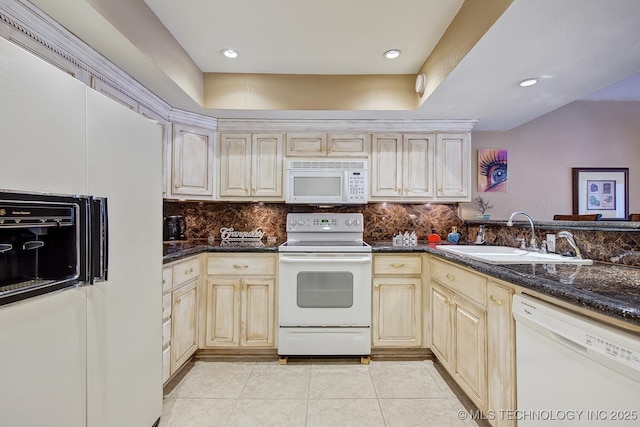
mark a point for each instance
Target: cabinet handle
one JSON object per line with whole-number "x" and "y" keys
{"x": 235, "y": 287}
{"x": 497, "y": 301}
{"x": 376, "y": 287}
{"x": 450, "y": 304}
{"x": 244, "y": 287}
{"x": 163, "y": 281}
{"x": 189, "y": 271}
{"x": 240, "y": 267}
{"x": 178, "y": 301}
{"x": 397, "y": 265}
{"x": 450, "y": 276}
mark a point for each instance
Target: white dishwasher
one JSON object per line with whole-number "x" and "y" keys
{"x": 572, "y": 370}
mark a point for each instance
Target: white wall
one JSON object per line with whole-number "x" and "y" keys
{"x": 543, "y": 151}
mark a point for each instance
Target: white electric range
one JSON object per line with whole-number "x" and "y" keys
{"x": 324, "y": 287}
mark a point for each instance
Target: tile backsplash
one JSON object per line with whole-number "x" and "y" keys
{"x": 382, "y": 220}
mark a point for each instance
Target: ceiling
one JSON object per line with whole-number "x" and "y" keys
{"x": 577, "y": 48}
{"x": 307, "y": 37}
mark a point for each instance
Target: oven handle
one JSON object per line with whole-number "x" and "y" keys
{"x": 316, "y": 260}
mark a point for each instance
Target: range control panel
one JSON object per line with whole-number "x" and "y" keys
{"x": 325, "y": 222}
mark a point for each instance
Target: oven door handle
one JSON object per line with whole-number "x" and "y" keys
{"x": 306, "y": 260}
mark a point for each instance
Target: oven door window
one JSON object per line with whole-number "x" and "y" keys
{"x": 322, "y": 289}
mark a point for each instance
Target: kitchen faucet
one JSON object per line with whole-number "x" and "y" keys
{"x": 571, "y": 242}
{"x": 533, "y": 244}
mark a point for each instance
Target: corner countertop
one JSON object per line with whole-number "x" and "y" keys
{"x": 609, "y": 289}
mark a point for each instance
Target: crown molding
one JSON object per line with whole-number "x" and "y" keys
{"x": 373, "y": 125}
{"x": 189, "y": 118}
{"x": 48, "y": 33}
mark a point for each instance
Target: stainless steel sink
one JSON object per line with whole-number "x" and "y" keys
{"x": 509, "y": 255}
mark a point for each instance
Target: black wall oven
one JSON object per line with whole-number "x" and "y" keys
{"x": 50, "y": 242}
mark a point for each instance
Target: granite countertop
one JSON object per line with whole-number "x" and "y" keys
{"x": 610, "y": 289}
{"x": 175, "y": 250}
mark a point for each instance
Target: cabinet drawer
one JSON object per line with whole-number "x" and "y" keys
{"x": 397, "y": 264}
{"x": 166, "y": 306}
{"x": 185, "y": 271}
{"x": 166, "y": 332}
{"x": 464, "y": 282}
{"x": 167, "y": 279}
{"x": 221, "y": 265}
{"x": 166, "y": 364}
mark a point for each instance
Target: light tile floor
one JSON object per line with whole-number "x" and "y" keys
{"x": 312, "y": 393}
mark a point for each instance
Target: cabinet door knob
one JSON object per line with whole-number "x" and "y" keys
{"x": 376, "y": 287}
{"x": 235, "y": 287}
{"x": 450, "y": 276}
{"x": 497, "y": 301}
{"x": 178, "y": 301}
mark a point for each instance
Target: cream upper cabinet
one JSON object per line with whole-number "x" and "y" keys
{"x": 397, "y": 301}
{"x": 251, "y": 167}
{"x": 192, "y": 167}
{"x": 308, "y": 144}
{"x": 453, "y": 167}
{"x": 501, "y": 360}
{"x": 240, "y": 305}
{"x": 417, "y": 166}
{"x": 348, "y": 145}
{"x": 386, "y": 167}
{"x": 402, "y": 167}
{"x": 166, "y": 145}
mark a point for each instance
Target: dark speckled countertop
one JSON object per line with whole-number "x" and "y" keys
{"x": 173, "y": 251}
{"x": 610, "y": 289}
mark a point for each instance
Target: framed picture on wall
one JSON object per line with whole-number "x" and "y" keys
{"x": 601, "y": 190}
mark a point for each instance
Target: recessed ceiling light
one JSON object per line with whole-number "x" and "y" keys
{"x": 392, "y": 53}
{"x": 230, "y": 53}
{"x": 528, "y": 82}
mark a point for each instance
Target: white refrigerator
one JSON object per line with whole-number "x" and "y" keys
{"x": 90, "y": 355}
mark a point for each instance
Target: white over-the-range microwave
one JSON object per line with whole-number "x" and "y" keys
{"x": 326, "y": 182}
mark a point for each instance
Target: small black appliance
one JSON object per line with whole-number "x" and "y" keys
{"x": 174, "y": 228}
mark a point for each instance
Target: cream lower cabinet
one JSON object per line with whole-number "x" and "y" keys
{"x": 397, "y": 301}
{"x": 167, "y": 284}
{"x": 472, "y": 335}
{"x": 179, "y": 313}
{"x": 240, "y": 301}
{"x": 459, "y": 327}
{"x": 501, "y": 362}
{"x": 184, "y": 339}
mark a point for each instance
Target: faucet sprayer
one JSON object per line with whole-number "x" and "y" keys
{"x": 533, "y": 244}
